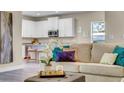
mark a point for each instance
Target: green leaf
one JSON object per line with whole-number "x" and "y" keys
{"x": 49, "y": 61}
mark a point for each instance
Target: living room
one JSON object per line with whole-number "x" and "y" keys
{"x": 88, "y": 47}
{"x": 61, "y": 46}
{"x": 88, "y": 33}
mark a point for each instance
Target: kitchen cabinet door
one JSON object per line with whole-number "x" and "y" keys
{"x": 28, "y": 28}
{"x": 53, "y": 23}
{"x": 66, "y": 27}
{"x": 34, "y": 29}
{"x": 42, "y": 29}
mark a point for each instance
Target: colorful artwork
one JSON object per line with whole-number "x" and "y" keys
{"x": 6, "y": 38}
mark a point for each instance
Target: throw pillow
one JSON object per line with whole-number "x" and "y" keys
{"x": 66, "y": 46}
{"x": 108, "y": 58}
{"x": 120, "y": 58}
{"x": 73, "y": 49}
{"x": 54, "y": 52}
{"x": 65, "y": 56}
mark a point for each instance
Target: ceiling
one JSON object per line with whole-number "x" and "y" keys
{"x": 46, "y": 13}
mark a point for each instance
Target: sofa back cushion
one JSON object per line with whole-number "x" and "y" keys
{"x": 83, "y": 52}
{"x": 99, "y": 49}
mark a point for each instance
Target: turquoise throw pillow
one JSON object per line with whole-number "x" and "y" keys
{"x": 66, "y": 46}
{"x": 120, "y": 58}
{"x": 55, "y": 53}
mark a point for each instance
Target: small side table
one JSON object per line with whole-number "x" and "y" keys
{"x": 37, "y": 52}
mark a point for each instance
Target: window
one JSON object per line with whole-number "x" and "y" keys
{"x": 97, "y": 31}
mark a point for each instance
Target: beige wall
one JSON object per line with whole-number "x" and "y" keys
{"x": 114, "y": 26}
{"x": 82, "y": 20}
{"x": 17, "y": 40}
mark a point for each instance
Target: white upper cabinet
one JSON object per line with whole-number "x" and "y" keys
{"x": 39, "y": 29}
{"x": 42, "y": 29}
{"x": 34, "y": 29}
{"x": 53, "y": 23}
{"x": 66, "y": 27}
{"x": 28, "y": 28}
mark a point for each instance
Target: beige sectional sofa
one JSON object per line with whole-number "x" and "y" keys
{"x": 88, "y": 63}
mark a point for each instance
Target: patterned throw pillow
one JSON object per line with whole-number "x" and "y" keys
{"x": 108, "y": 58}
{"x": 73, "y": 49}
{"x": 65, "y": 56}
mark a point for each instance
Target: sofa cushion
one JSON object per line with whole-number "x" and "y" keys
{"x": 67, "y": 66}
{"x": 101, "y": 69}
{"x": 84, "y": 52}
{"x": 98, "y": 50}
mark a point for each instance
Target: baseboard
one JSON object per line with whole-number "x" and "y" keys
{"x": 10, "y": 68}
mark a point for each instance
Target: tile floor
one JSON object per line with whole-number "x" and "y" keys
{"x": 20, "y": 75}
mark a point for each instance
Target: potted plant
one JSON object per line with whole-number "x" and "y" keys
{"x": 47, "y": 59}
{"x": 47, "y": 62}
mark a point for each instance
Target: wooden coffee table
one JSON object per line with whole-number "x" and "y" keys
{"x": 70, "y": 77}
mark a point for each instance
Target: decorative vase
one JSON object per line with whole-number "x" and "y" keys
{"x": 48, "y": 68}
{"x": 45, "y": 67}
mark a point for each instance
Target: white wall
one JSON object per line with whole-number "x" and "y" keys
{"x": 114, "y": 26}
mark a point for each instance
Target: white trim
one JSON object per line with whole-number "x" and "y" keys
{"x": 10, "y": 68}
{"x": 98, "y": 33}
